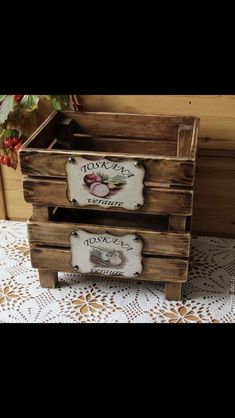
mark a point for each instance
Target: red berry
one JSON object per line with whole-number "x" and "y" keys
{"x": 18, "y": 98}
{"x": 5, "y": 160}
{"x": 17, "y": 146}
{"x": 7, "y": 142}
{"x": 1, "y": 159}
{"x": 15, "y": 140}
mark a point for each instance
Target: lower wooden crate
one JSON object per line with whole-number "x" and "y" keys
{"x": 153, "y": 230}
{"x": 164, "y": 255}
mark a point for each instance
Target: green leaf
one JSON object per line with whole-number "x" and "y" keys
{"x": 30, "y": 102}
{"x": 6, "y": 107}
{"x": 118, "y": 180}
{"x": 2, "y": 97}
{"x": 56, "y": 104}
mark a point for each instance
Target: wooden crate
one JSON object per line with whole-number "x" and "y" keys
{"x": 163, "y": 147}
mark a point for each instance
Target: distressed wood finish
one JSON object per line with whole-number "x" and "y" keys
{"x": 40, "y": 213}
{"x": 128, "y": 124}
{"x": 155, "y": 243}
{"x": 157, "y": 200}
{"x": 127, "y": 145}
{"x": 48, "y": 278}
{"x": 164, "y": 145}
{"x": 216, "y": 112}
{"x": 184, "y": 143}
{"x": 178, "y": 171}
{"x": 155, "y": 269}
{"x": 3, "y": 213}
{"x": 45, "y": 133}
{"x": 177, "y": 223}
{"x": 173, "y": 291}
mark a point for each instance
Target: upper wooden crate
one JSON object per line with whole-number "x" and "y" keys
{"x": 165, "y": 146}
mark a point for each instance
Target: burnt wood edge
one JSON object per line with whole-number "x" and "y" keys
{"x": 66, "y": 256}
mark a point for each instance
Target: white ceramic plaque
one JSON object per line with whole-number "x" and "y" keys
{"x": 106, "y": 254}
{"x": 105, "y": 183}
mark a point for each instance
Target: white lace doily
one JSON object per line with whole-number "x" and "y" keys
{"x": 207, "y": 297}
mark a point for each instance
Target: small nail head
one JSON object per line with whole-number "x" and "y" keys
{"x": 136, "y": 273}
{"x": 137, "y": 205}
{"x": 76, "y": 268}
{"x": 137, "y": 164}
{"x": 72, "y": 160}
{"x": 74, "y": 234}
{"x": 73, "y": 201}
{"x": 136, "y": 238}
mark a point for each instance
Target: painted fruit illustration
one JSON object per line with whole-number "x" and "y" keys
{"x": 101, "y": 185}
{"x": 91, "y": 178}
{"x": 99, "y": 190}
{"x": 115, "y": 260}
{"x": 109, "y": 258}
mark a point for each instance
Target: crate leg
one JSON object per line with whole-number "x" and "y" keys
{"x": 48, "y": 279}
{"x": 173, "y": 291}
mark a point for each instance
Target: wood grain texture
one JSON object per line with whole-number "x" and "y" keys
{"x": 48, "y": 279}
{"x": 214, "y": 205}
{"x": 129, "y": 124}
{"x": 216, "y": 112}
{"x": 40, "y": 213}
{"x": 177, "y": 223}
{"x": 155, "y": 243}
{"x": 158, "y": 169}
{"x": 144, "y": 146}
{"x": 45, "y": 133}
{"x": 155, "y": 269}
{"x": 157, "y": 200}
{"x": 173, "y": 291}
{"x": 184, "y": 143}
{"x": 16, "y": 207}
{"x": 3, "y": 213}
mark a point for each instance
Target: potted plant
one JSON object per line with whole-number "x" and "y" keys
{"x": 20, "y": 115}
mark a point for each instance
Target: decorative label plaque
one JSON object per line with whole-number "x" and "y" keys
{"x": 105, "y": 183}
{"x": 106, "y": 254}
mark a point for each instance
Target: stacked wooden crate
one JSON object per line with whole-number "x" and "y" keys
{"x": 157, "y": 197}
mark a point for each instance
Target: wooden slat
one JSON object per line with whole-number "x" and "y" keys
{"x": 40, "y": 213}
{"x": 158, "y": 243}
{"x": 45, "y": 133}
{"x": 124, "y": 124}
{"x": 158, "y": 169}
{"x": 155, "y": 269}
{"x": 216, "y": 112}
{"x": 126, "y": 145}
{"x": 157, "y": 200}
{"x": 177, "y": 223}
{"x": 48, "y": 279}
{"x": 185, "y": 148}
{"x": 212, "y": 145}
{"x": 3, "y": 213}
{"x": 184, "y": 143}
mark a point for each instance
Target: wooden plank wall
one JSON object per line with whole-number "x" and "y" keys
{"x": 214, "y": 212}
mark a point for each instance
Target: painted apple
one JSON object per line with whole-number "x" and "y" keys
{"x": 91, "y": 178}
